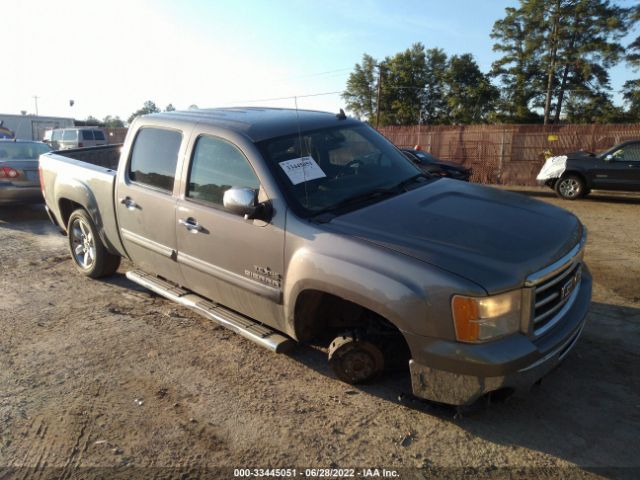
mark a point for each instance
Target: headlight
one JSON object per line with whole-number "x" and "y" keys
{"x": 480, "y": 319}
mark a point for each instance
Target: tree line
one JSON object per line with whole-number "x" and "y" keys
{"x": 555, "y": 57}
{"x": 116, "y": 122}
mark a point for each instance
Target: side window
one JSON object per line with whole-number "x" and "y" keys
{"x": 154, "y": 157}
{"x": 631, "y": 153}
{"x": 70, "y": 135}
{"x": 216, "y": 166}
{"x": 98, "y": 134}
{"x": 87, "y": 134}
{"x": 57, "y": 135}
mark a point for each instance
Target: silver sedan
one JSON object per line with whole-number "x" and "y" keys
{"x": 19, "y": 179}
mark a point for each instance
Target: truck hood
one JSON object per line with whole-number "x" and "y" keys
{"x": 580, "y": 155}
{"x": 451, "y": 165}
{"x": 491, "y": 237}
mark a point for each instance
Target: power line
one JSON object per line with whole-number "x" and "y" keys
{"x": 292, "y": 97}
{"x": 318, "y": 74}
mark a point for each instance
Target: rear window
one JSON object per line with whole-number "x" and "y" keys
{"x": 98, "y": 134}
{"x": 70, "y": 135}
{"x": 87, "y": 134}
{"x": 22, "y": 150}
{"x": 154, "y": 158}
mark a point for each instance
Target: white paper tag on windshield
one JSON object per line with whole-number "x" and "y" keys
{"x": 302, "y": 169}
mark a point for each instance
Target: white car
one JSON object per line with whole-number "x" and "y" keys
{"x": 77, "y": 137}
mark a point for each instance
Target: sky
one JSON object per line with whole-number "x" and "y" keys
{"x": 110, "y": 57}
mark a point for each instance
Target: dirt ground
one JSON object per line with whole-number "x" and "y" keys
{"x": 102, "y": 378}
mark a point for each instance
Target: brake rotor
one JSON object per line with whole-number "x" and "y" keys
{"x": 353, "y": 360}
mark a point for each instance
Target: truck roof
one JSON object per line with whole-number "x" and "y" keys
{"x": 259, "y": 123}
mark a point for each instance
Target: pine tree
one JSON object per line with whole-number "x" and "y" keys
{"x": 470, "y": 95}
{"x": 574, "y": 42}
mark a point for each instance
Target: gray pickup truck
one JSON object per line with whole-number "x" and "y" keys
{"x": 288, "y": 225}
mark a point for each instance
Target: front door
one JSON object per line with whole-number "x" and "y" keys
{"x": 625, "y": 167}
{"x": 145, "y": 203}
{"x": 222, "y": 256}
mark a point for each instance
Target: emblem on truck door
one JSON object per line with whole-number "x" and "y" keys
{"x": 264, "y": 275}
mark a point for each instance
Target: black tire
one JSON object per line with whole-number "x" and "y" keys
{"x": 89, "y": 254}
{"x": 570, "y": 187}
{"x": 355, "y": 361}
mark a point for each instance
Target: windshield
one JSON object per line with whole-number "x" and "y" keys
{"x": 22, "y": 150}
{"x": 321, "y": 170}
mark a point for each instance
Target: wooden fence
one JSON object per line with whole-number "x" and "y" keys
{"x": 116, "y": 135}
{"x": 508, "y": 154}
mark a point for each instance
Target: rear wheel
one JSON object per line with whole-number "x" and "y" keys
{"x": 570, "y": 187}
{"x": 87, "y": 250}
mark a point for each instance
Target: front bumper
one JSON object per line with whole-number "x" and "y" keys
{"x": 458, "y": 374}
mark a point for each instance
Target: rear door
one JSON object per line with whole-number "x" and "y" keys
{"x": 69, "y": 139}
{"x": 100, "y": 137}
{"x": 145, "y": 201}
{"x": 86, "y": 138}
{"x": 222, "y": 256}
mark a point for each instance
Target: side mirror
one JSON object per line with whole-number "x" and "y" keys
{"x": 242, "y": 201}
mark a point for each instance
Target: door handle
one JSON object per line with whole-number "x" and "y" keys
{"x": 190, "y": 224}
{"x": 129, "y": 203}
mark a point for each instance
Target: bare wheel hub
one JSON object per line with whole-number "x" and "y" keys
{"x": 353, "y": 360}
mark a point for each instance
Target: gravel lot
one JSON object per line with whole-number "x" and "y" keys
{"x": 104, "y": 374}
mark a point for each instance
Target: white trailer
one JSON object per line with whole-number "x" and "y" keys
{"x": 32, "y": 127}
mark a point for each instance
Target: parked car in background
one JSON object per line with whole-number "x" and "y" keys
{"x": 19, "y": 182}
{"x": 574, "y": 175}
{"x": 430, "y": 164}
{"x": 78, "y": 137}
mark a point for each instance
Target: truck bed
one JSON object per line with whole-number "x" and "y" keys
{"x": 84, "y": 178}
{"x": 106, "y": 156}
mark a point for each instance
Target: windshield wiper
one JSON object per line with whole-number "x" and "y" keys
{"x": 372, "y": 194}
{"x": 414, "y": 179}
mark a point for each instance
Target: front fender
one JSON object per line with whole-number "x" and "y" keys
{"x": 398, "y": 300}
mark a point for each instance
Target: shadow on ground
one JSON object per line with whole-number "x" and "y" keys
{"x": 602, "y": 197}
{"x": 27, "y": 218}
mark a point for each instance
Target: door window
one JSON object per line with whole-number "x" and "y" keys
{"x": 87, "y": 134}
{"x": 216, "y": 166}
{"x": 630, "y": 153}
{"x": 154, "y": 158}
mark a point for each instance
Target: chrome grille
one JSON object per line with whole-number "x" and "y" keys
{"x": 554, "y": 289}
{"x": 552, "y": 295}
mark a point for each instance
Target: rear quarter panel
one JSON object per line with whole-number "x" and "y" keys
{"x": 90, "y": 186}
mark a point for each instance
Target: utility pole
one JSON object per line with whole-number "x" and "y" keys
{"x": 35, "y": 98}
{"x": 380, "y": 66}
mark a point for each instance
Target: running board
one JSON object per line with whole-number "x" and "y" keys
{"x": 245, "y": 326}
